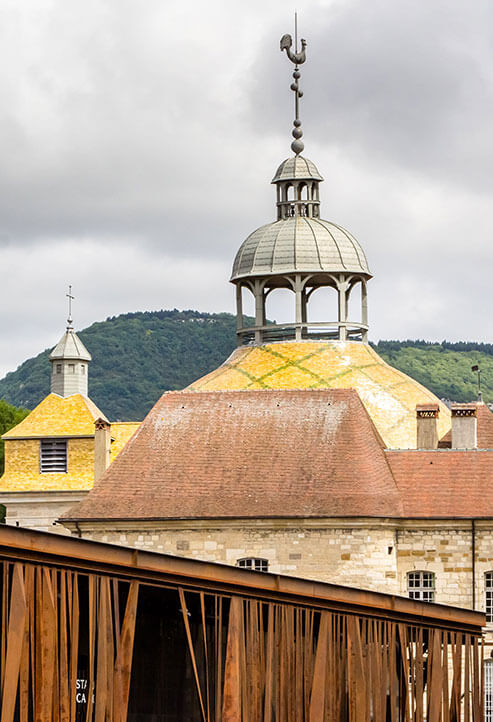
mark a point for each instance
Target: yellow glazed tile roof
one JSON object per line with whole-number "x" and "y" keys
{"x": 121, "y": 432}
{"x": 389, "y": 396}
{"x": 57, "y": 416}
{"x": 72, "y": 417}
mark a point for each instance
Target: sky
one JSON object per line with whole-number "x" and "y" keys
{"x": 138, "y": 141}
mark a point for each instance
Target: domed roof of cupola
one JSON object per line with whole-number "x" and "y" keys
{"x": 299, "y": 245}
{"x": 297, "y": 168}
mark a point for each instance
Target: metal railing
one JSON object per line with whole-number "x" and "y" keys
{"x": 323, "y": 330}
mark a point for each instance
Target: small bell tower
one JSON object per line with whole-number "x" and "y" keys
{"x": 69, "y": 361}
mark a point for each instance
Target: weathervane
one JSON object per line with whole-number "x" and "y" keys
{"x": 297, "y": 58}
{"x": 70, "y": 299}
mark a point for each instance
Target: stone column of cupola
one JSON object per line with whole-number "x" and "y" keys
{"x": 307, "y": 207}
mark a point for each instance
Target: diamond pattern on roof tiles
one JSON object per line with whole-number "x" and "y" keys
{"x": 389, "y": 396}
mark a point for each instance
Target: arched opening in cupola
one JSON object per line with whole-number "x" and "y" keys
{"x": 303, "y": 192}
{"x": 280, "y": 306}
{"x": 247, "y": 302}
{"x": 323, "y": 305}
{"x": 354, "y": 302}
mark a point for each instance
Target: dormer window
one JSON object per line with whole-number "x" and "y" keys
{"x": 53, "y": 456}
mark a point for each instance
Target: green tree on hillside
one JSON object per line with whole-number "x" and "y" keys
{"x": 137, "y": 356}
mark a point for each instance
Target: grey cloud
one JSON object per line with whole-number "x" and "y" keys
{"x": 138, "y": 143}
{"x": 403, "y": 83}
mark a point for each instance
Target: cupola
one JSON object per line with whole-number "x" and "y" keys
{"x": 300, "y": 252}
{"x": 69, "y": 361}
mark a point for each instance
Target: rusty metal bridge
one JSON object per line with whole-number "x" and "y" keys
{"x": 91, "y": 631}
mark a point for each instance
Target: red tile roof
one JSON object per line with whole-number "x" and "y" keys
{"x": 249, "y": 454}
{"x": 445, "y": 483}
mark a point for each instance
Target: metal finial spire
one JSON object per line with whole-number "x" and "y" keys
{"x": 70, "y": 299}
{"x": 297, "y": 58}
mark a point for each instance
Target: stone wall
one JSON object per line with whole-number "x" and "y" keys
{"x": 357, "y": 557}
{"x": 370, "y": 554}
{"x": 39, "y": 510}
{"x": 447, "y": 552}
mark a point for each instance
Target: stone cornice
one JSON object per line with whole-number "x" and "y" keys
{"x": 139, "y": 525}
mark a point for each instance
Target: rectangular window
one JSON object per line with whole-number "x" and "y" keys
{"x": 488, "y": 690}
{"x": 488, "y": 590}
{"x": 59, "y": 368}
{"x": 258, "y": 565}
{"x": 421, "y": 585}
{"x": 82, "y": 369}
{"x": 71, "y": 368}
{"x": 53, "y": 456}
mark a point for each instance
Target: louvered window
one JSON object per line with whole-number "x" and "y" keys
{"x": 53, "y": 456}
{"x": 258, "y": 565}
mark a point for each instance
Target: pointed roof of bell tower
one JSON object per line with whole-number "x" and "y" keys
{"x": 70, "y": 346}
{"x": 69, "y": 361}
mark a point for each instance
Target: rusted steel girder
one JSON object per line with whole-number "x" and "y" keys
{"x": 165, "y": 570}
{"x": 251, "y": 647}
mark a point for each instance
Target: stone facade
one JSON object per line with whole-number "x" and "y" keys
{"x": 39, "y": 510}
{"x": 374, "y": 554}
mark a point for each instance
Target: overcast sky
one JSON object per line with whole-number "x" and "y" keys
{"x": 138, "y": 141}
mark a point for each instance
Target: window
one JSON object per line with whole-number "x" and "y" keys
{"x": 53, "y": 456}
{"x": 71, "y": 368}
{"x": 488, "y": 593}
{"x": 488, "y": 690}
{"x": 59, "y": 368}
{"x": 258, "y": 565}
{"x": 421, "y": 585}
{"x": 82, "y": 369}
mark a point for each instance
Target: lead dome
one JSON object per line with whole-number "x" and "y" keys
{"x": 307, "y": 245}
{"x": 303, "y": 253}
{"x": 297, "y": 168}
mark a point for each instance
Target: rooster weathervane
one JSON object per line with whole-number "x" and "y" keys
{"x": 298, "y": 58}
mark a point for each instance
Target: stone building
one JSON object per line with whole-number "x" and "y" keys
{"x": 305, "y": 453}
{"x": 53, "y": 456}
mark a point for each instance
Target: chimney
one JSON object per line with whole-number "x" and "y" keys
{"x": 464, "y": 426}
{"x": 427, "y": 426}
{"x": 102, "y": 447}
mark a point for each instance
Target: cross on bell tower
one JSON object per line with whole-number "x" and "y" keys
{"x": 70, "y": 299}
{"x": 69, "y": 360}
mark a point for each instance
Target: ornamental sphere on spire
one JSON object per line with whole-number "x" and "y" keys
{"x": 297, "y": 58}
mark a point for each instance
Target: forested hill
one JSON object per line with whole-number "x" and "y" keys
{"x": 137, "y": 356}
{"x": 444, "y": 368}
